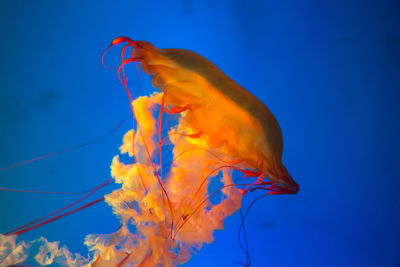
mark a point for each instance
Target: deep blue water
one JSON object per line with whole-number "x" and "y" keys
{"x": 328, "y": 70}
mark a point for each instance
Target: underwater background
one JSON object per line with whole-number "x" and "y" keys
{"x": 328, "y": 70}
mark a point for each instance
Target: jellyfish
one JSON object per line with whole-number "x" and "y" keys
{"x": 198, "y": 127}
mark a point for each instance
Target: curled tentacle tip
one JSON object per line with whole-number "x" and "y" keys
{"x": 123, "y": 39}
{"x": 119, "y": 40}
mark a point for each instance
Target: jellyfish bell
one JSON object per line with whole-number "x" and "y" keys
{"x": 227, "y": 114}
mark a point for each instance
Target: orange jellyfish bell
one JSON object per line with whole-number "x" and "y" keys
{"x": 224, "y": 112}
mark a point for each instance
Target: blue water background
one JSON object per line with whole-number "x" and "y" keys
{"x": 328, "y": 70}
